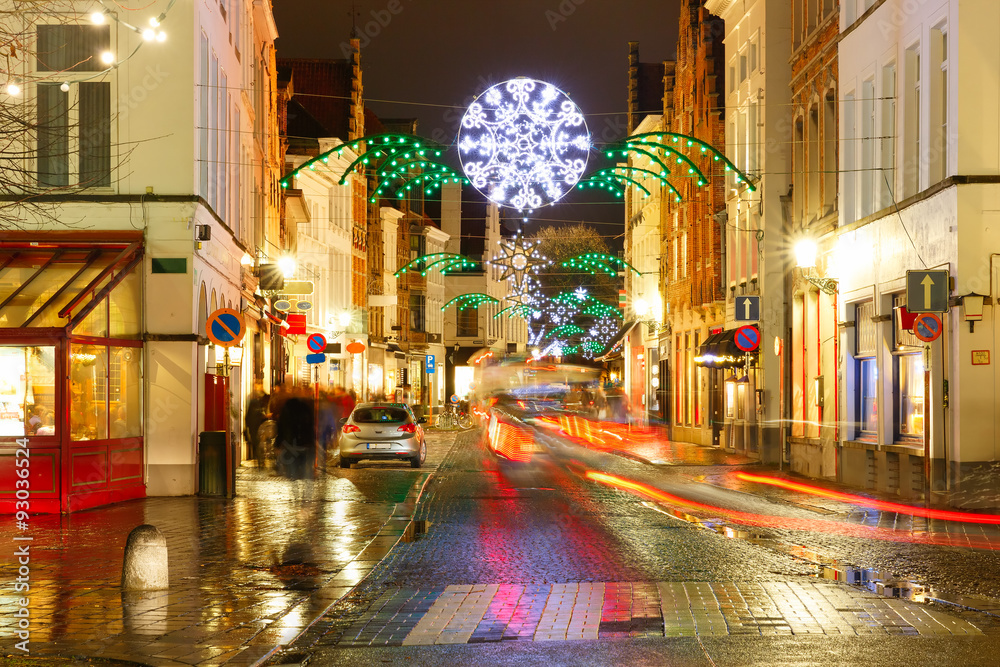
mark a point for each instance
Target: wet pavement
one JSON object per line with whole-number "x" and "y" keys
{"x": 587, "y": 543}
{"x": 246, "y": 574}
{"x": 590, "y": 545}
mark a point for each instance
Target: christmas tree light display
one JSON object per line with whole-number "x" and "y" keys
{"x": 523, "y": 143}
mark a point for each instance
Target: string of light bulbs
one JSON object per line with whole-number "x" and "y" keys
{"x": 152, "y": 33}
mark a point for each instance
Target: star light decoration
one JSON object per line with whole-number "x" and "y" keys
{"x": 521, "y": 261}
{"x": 523, "y": 143}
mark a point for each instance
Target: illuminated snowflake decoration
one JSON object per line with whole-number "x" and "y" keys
{"x": 520, "y": 261}
{"x": 523, "y": 143}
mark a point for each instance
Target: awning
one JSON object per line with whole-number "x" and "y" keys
{"x": 614, "y": 347}
{"x": 57, "y": 279}
{"x": 719, "y": 351}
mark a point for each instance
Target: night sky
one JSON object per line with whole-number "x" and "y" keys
{"x": 428, "y": 58}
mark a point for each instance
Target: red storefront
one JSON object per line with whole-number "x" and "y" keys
{"x": 71, "y": 381}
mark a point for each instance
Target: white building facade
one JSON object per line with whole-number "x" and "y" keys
{"x": 920, "y": 190}
{"x": 178, "y": 154}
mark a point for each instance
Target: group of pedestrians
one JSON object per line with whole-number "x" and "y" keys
{"x": 305, "y": 424}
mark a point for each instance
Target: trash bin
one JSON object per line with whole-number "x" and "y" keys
{"x": 212, "y": 463}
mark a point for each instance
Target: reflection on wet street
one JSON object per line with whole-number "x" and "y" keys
{"x": 246, "y": 574}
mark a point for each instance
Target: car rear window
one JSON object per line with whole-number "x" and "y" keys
{"x": 385, "y": 415}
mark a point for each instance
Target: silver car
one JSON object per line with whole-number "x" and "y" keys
{"x": 382, "y": 431}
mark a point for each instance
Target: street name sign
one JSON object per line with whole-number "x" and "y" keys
{"x": 747, "y": 338}
{"x": 927, "y": 327}
{"x": 747, "y": 308}
{"x": 225, "y": 327}
{"x": 927, "y": 291}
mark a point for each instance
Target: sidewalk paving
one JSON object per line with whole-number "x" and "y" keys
{"x": 246, "y": 574}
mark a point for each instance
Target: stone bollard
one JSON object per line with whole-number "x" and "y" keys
{"x": 145, "y": 566}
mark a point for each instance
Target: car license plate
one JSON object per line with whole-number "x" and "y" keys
{"x": 379, "y": 445}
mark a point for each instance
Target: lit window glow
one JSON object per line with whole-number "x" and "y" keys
{"x": 524, "y": 143}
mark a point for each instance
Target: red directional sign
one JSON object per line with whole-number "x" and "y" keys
{"x": 927, "y": 327}
{"x": 747, "y": 338}
{"x": 316, "y": 342}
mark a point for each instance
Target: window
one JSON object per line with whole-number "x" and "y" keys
{"x": 850, "y": 160}
{"x": 887, "y": 176}
{"x": 830, "y": 152}
{"x": 53, "y": 136}
{"x": 743, "y": 66}
{"x": 865, "y": 344}
{"x": 868, "y": 395}
{"x": 753, "y": 134}
{"x": 867, "y": 172}
{"x": 468, "y": 322}
{"x": 92, "y": 134}
{"x": 798, "y": 170}
{"x": 88, "y": 417}
{"x": 204, "y": 96}
{"x": 418, "y": 245}
{"x": 911, "y": 123}
{"x": 753, "y": 54}
{"x": 71, "y": 48}
{"x": 27, "y": 391}
{"x": 814, "y": 175}
{"x": 911, "y": 395}
{"x": 213, "y": 125}
{"x": 939, "y": 104}
{"x": 417, "y": 313}
{"x": 732, "y": 76}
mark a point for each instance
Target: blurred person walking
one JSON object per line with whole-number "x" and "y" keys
{"x": 295, "y": 444}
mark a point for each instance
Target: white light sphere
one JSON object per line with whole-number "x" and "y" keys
{"x": 523, "y": 143}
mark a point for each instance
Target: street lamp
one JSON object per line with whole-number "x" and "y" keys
{"x": 805, "y": 258}
{"x": 287, "y": 266}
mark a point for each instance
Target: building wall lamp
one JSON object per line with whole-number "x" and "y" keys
{"x": 805, "y": 258}
{"x": 972, "y": 309}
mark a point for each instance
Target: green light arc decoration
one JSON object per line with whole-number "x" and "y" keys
{"x": 470, "y": 300}
{"x": 612, "y": 171}
{"x": 444, "y": 261}
{"x": 601, "y": 309}
{"x": 570, "y": 298}
{"x": 668, "y": 140}
{"x": 567, "y": 330}
{"x": 628, "y": 148}
{"x": 679, "y": 158}
{"x": 603, "y": 184}
{"x": 386, "y": 145}
{"x": 592, "y": 262}
{"x": 436, "y": 182}
{"x": 628, "y": 179}
{"x": 438, "y": 176}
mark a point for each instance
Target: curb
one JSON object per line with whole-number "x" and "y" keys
{"x": 401, "y": 512}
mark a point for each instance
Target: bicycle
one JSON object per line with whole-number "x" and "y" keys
{"x": 451, "y": 418}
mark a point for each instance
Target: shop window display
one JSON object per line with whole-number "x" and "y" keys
{"x": 27, "y": 391}
{"x": 911, "y": 396}
{"x": 88, "y": 418}
{"x": 868, "y": 381}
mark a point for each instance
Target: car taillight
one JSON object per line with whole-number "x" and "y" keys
{"x": 407, "y": 428}
{"x": 351, "y": 428}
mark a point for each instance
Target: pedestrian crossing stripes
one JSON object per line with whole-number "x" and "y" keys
{"x": 467, "y": 614}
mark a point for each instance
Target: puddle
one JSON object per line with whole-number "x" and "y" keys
{"x": 881, "y": 583}
{"x": 415, "y": 529}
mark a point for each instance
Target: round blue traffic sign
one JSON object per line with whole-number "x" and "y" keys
{"x": 927, "y": 327}
{"x": 225, "y": 327}
{"x": 747, "y": 338}
{"x": 316, "y": 342}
